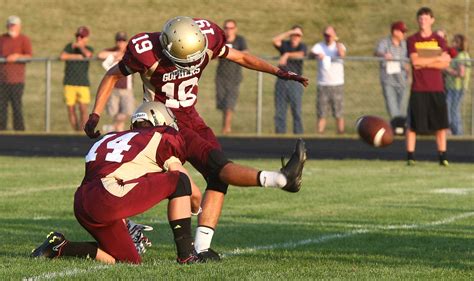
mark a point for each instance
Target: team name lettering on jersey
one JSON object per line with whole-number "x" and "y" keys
{"x": 180, "y": 73}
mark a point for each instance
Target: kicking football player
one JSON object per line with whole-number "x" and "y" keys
{"x": 170, "y": 64}
{"x": 128, "y": 173}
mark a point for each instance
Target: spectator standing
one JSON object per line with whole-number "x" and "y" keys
{"x": 292, "y": 52}
{"x": 76, "y": 77}
{"x": 457, "y": 82}
{"x": 229, "y": 76}
{"x": 393, "y": 71}
{"x": 13, "y": 46}
{"x": 121, "y": 102}
{"x": 330, "y": 79}
{"x": 427, "y": 110}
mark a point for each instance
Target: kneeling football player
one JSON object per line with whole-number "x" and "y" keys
{"x": 128, "y": 173}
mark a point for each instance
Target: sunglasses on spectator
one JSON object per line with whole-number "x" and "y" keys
{"x": 229, "y": 27}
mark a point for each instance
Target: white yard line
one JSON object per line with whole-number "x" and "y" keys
{"x": 329, "y": 237}
{"x": 455, "y": 191}
{"x": 66, "y": 273}
{"x": 284, "y": 245}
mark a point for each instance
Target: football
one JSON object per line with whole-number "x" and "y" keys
{"x": 374, "y": 131}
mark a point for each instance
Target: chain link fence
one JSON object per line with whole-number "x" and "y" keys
{"x": 44, "y": 108}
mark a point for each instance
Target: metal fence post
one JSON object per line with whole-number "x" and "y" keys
{"x": 259, "y": 102}
{"x": 47, "y": 117}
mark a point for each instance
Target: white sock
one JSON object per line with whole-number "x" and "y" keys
{"x": 272, "y": 179}
{"x": 203, "y": 239}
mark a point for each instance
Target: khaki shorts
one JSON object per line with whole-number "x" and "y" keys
{"x": 121, "y": 101}
{"x": 330, "y": 98}
{"x": 74, "y": 94}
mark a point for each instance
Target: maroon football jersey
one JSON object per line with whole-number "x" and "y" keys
{"x": 162, "y": 81}
{"x": 119, "y": 159}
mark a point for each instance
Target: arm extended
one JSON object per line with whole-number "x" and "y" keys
{"x": 252, "y": 62}
{"x": 103, "y": 94}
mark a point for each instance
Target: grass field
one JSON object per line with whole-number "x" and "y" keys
{"x": 351, "y": 220}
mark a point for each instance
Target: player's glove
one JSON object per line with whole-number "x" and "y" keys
{"x": 288, "y": 75}
{"x": 90, "y": 126}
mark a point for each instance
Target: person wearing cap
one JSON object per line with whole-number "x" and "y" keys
{"x": 121, "y": 102}
{"x": 76, "y": 77}
{"x": 14, "y": 46}
{"x": 393, "y": 68}
{"x": 292, "y": 52}
{"x": 330, "y": 90}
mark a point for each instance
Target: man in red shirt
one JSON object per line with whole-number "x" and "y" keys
{"x": 13, "y": 46}
{"x": 170, "y": 64}
{"x": 427, "y": 111}
{"x": 128, "y": 173}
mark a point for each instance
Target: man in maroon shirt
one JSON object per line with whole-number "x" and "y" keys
{"x": 13, "y": 46}
{"x": 170, "y": 64}
{"x": 427, "y": 111}
{"x": 126, "y": 174}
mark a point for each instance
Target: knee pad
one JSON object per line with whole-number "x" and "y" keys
{"x": 216, "y": 161}
{"x": 215, "y": 183}
{"x": 183, "y": 187}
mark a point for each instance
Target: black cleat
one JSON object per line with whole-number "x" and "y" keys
{"x": 293, "y": 170}
{"x": 51, "y": 247}
{"x": 209, "y": 255}
{"x": 193, "y": 258}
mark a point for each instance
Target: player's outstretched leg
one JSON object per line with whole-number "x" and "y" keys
{"x": 293, "y": 170}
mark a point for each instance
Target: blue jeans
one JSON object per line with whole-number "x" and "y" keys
{"x": 393, "y": 99}
{"x": 288, "y": 92}
{"x": 453, "y": 101}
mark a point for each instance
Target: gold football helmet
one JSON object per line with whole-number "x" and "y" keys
{"x": 156, "y": 113}
{"x": 183, "y": 42}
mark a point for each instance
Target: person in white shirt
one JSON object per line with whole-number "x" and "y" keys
{"x": 121, "y": 103}
{"x": 329, "y": 54}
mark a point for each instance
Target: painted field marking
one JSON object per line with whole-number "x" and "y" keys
{"x": 455, "y": 191}
{"x": 66, "y": 273}
{"x": 329, "y": 237}
{"x": 284, "y": 245}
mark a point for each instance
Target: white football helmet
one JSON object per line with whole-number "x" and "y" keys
{"x": 183, "y": 42}
{"x": 156, "y": 113}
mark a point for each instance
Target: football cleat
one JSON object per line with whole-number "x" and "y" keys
{"x": 209, "y": 255}
{"x": 206, "y": 256}
{"x": 135, "y": 231}
{"x": 293, "y": 170}
{"x": 411, "y": 162}
{"x": 193, "y": 258}
{"x": 51, "y": 247}
{"x": 444, "y": 163}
